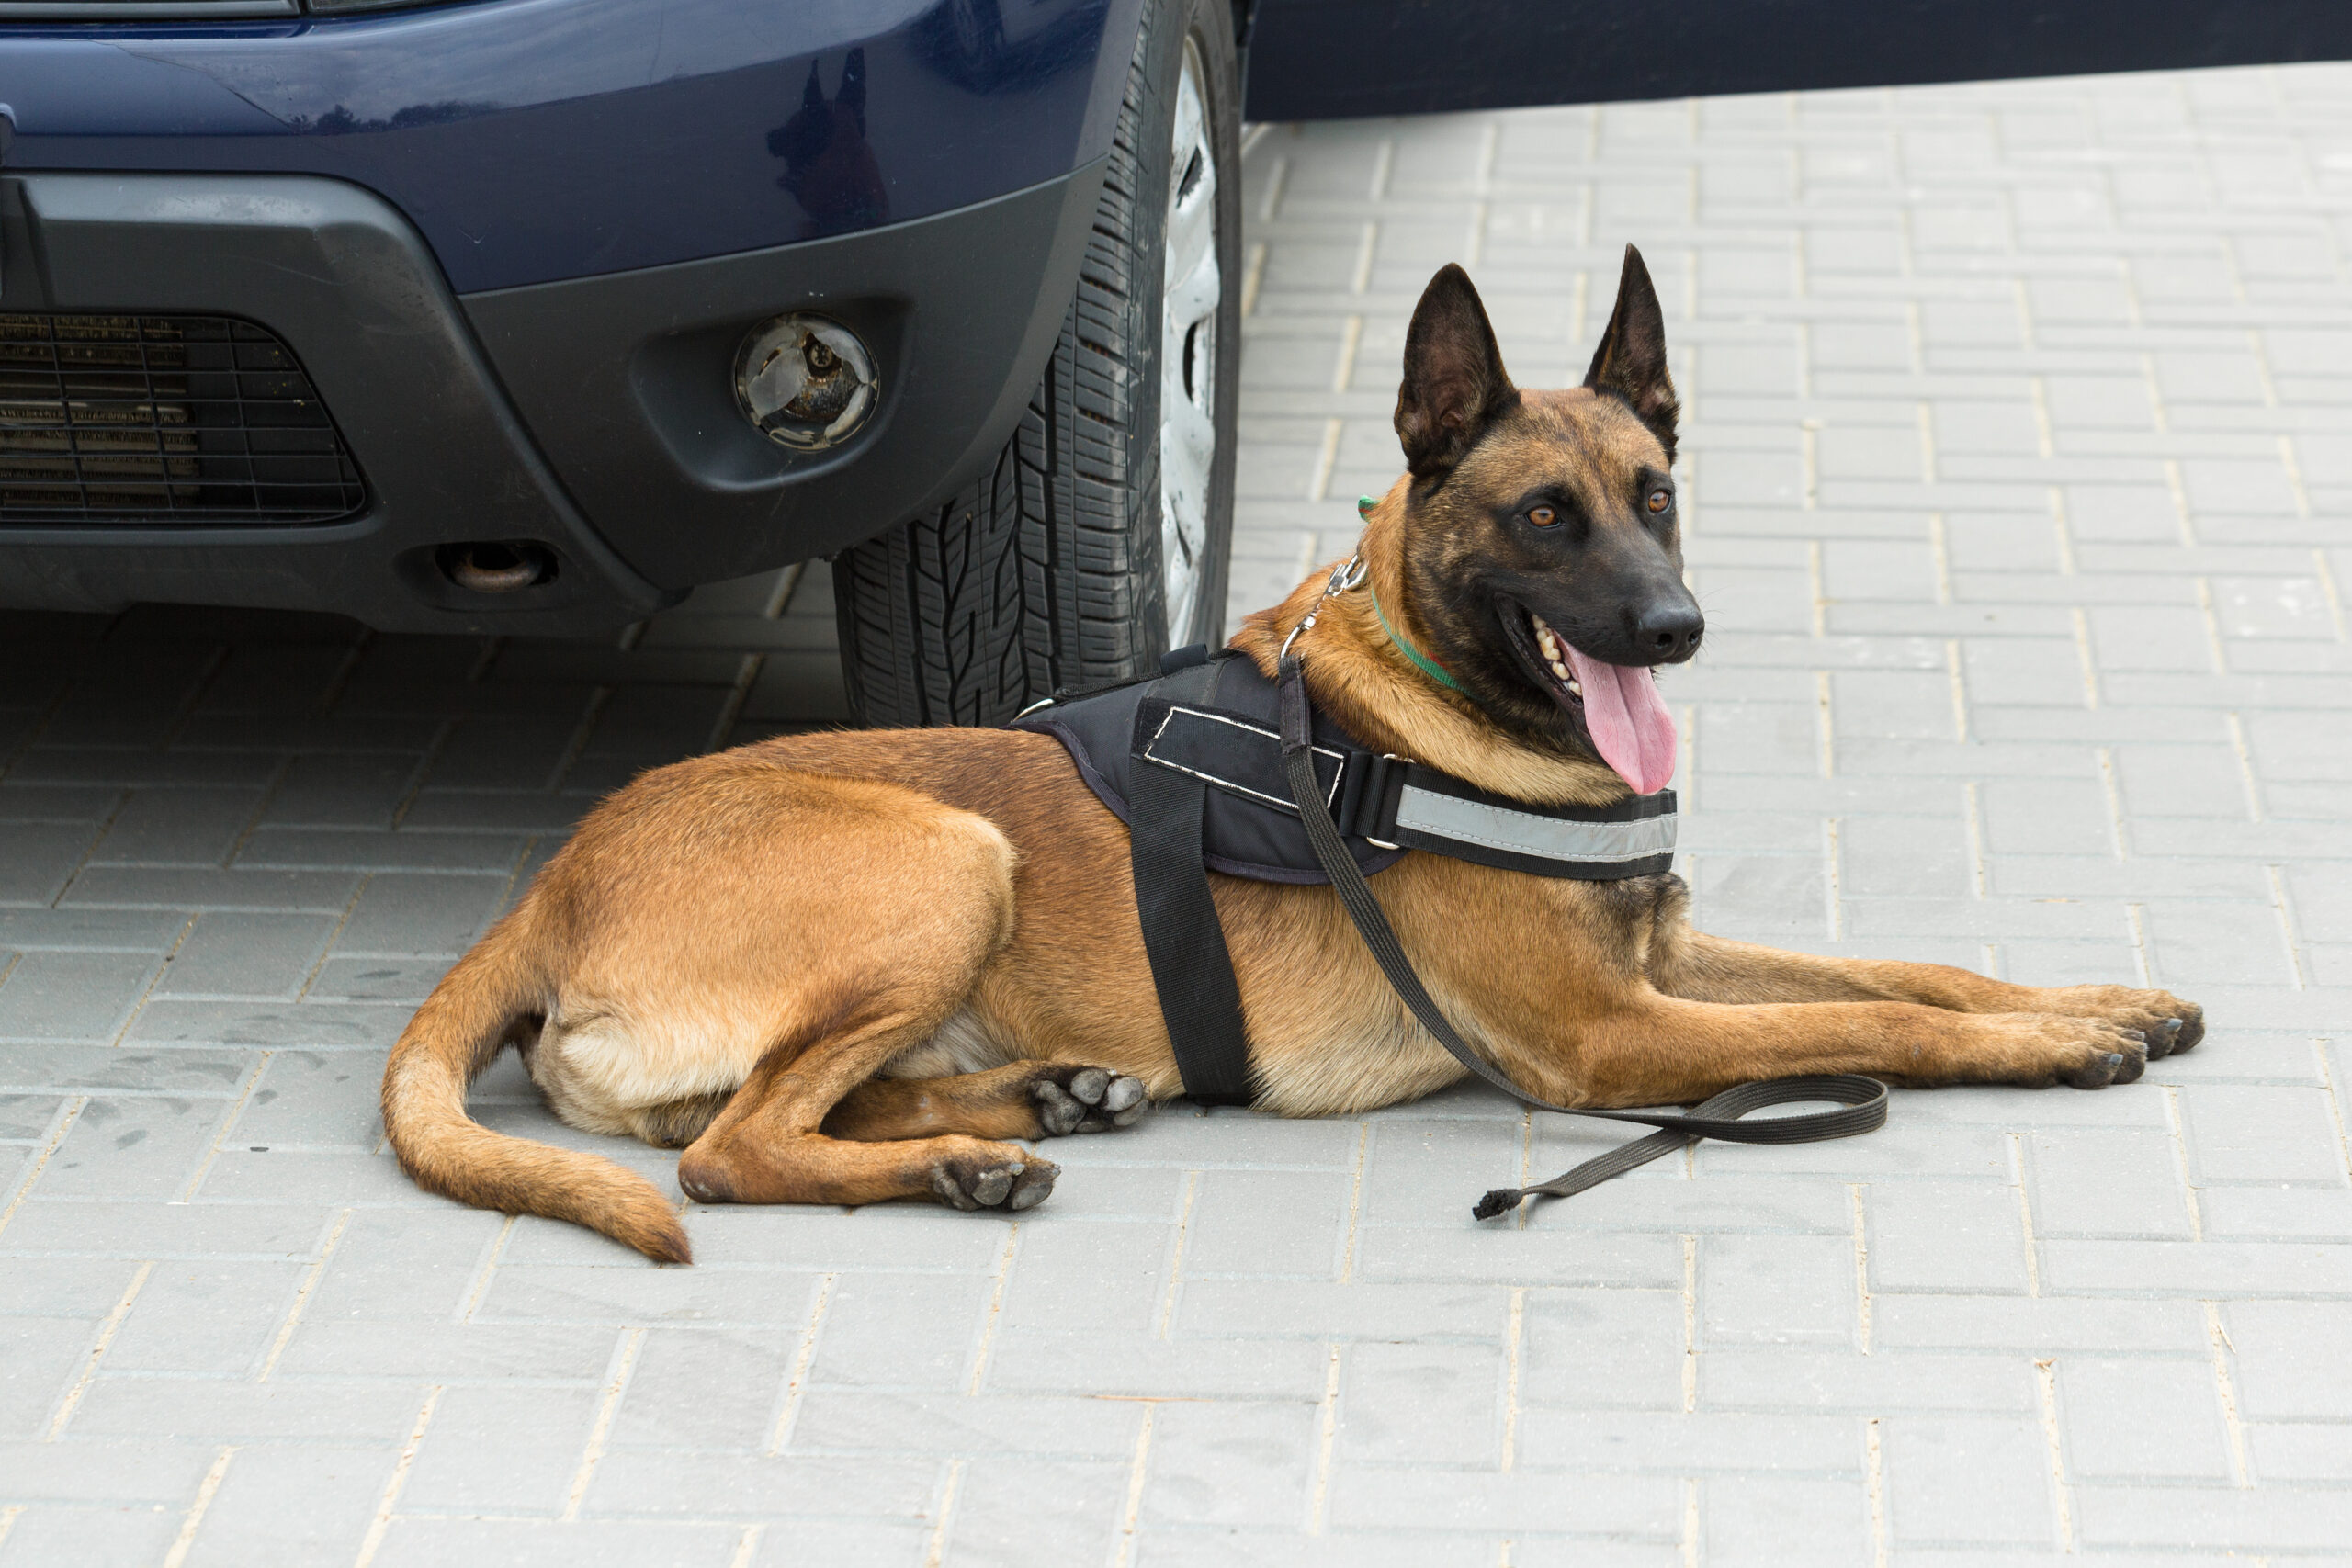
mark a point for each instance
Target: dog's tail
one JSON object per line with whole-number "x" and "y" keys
{"x": 452, "y": 1038}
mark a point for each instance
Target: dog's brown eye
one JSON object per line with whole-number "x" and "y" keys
{"x": 1660, "y": 500}
{"x": 1542, "y": 517}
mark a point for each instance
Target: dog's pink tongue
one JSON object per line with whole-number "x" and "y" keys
{"x": 1630, "y": 725}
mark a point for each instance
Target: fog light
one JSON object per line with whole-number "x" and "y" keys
{"x": 497, "y": 566}
{"x": 805, "y": 381}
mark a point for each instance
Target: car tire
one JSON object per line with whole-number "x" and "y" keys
{"x": 1052, "y": 570}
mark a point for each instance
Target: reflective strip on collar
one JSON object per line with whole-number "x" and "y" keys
{"x": 1525, "y": 833}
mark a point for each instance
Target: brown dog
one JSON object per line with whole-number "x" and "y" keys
{"x": 844, "y": 967}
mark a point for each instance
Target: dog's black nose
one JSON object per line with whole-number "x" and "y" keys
{"x": 1669, "y": 632}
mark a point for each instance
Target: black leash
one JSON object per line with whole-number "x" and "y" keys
{"x": 1864, "y": 1100}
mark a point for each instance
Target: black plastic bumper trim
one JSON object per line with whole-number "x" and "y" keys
{"x": 350, "y": 287}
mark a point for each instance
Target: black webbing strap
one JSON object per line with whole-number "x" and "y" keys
{"x": 1862, "y": 1101}
{"x": 1199, "y": 999}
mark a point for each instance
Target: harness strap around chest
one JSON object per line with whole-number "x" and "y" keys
{"x": 1200, "y": 999}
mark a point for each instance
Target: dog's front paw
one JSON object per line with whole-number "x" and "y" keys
{"x": 1085, "y": 1099}
{"x": 2169, "y": 1023}
{"x": 966, "y": 1183}
{"x": 2087, "y": 1052}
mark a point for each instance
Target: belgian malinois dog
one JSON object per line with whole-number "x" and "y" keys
{"x": 844, "y": 967}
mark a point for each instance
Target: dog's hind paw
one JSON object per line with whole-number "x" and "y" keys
{"x": 996, "y": 1184}
{"x": 1085, "y": 1099}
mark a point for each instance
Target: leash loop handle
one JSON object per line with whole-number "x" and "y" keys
{"x": 1861, "y": 1101}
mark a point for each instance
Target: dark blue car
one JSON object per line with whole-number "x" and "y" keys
{"x": 530, "y": 315}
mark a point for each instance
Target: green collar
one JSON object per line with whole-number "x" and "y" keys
{"x": 1429, "y": 667}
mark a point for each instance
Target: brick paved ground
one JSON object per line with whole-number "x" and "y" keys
{"x": 2019, "y": 472}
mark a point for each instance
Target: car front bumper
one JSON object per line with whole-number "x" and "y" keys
{"x": 593, "y": 416}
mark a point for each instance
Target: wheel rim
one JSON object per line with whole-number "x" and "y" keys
{"x": 1191, "y": 289}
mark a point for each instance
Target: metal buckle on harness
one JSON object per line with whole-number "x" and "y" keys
{"x": 1364, "y": 790}
{"x": 1382, "y": 779}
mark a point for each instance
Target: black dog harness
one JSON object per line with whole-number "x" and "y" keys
{"x": 1214, "y": 768}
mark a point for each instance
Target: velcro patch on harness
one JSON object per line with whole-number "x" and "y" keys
{"x": 1231, "y": 752}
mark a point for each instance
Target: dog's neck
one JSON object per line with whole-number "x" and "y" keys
{"x": 1365, "y": 683}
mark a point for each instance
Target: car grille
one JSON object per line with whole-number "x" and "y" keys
{"x": 172, "y": 421}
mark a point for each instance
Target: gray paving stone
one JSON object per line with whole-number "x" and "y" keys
{"x": 691, "y": 1482}
{"x": 1786, "y": 1521}
{"x": 2126, "y": 1420}
{"x": 1233, "y": 1464}
{"x": 2245, "y": 1133}
{"x": 502, "y": 1450}
{"x": 1294, "y": 1309}
{"x": 105, "y": 1470}
{"x": 52, "y": 1533}
{"x": 420, "y": 914}
{"x": 77, "y": 1287}
{"x": 358, "y": 789}
{"x": 1945, "y": 1235}
{"x": 1605, "y": 1349}
{"x": 320, "y": 1025}
{"x": 290, "y": 1502}
{"x": 523, "y": 1292}
{"x": 1019, "y": 1511}
{"x": 322, "y": 1346}
{"x": 144, "y": 1146}
{"x": 2171, "y": 1519}
{"x": 177, "y": 826}
{"x": 1803, "y": 1378}
{"x": 232, "y": 953}
{"x": 1249, "y": 1222}
{"x": 1107, "y": 1366}
{"x": 308, "y": 1097}
{"x": 44, "y": 1356}
{"x": 885, "y": 1331}
{"x": 1403, "y": 1402}
{"x": 1969, "y": 1480}
{"x": 2107, "y": 1181}
{"x": 1777, "y": 1290}
{"x": 94, "y": 1228}
{"x": 417, "y": 1542}
{"x": 216, "y": 1317}
{"x": 1708, "y": 1443}
{"x": 864, "y": 1420}
{"x": 242, "y": 1411}
{"x": 83, "y": 996}
{"x": 2199, "y": 1268}
{"x": 194, "y": 1074}
{"x": 40, "y": 859}
{"x": 1437, "y": 1499}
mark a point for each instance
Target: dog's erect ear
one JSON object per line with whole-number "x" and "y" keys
{"x": 1454, "y": 383}
{"x": 1630, "y": 360}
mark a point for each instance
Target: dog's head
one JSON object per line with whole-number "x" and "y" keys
{"x": 1540, "y": 546}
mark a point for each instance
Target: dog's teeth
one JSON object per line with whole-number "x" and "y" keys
{"x": 1560, "y": 670}
{"x": 1576, "y": 688}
